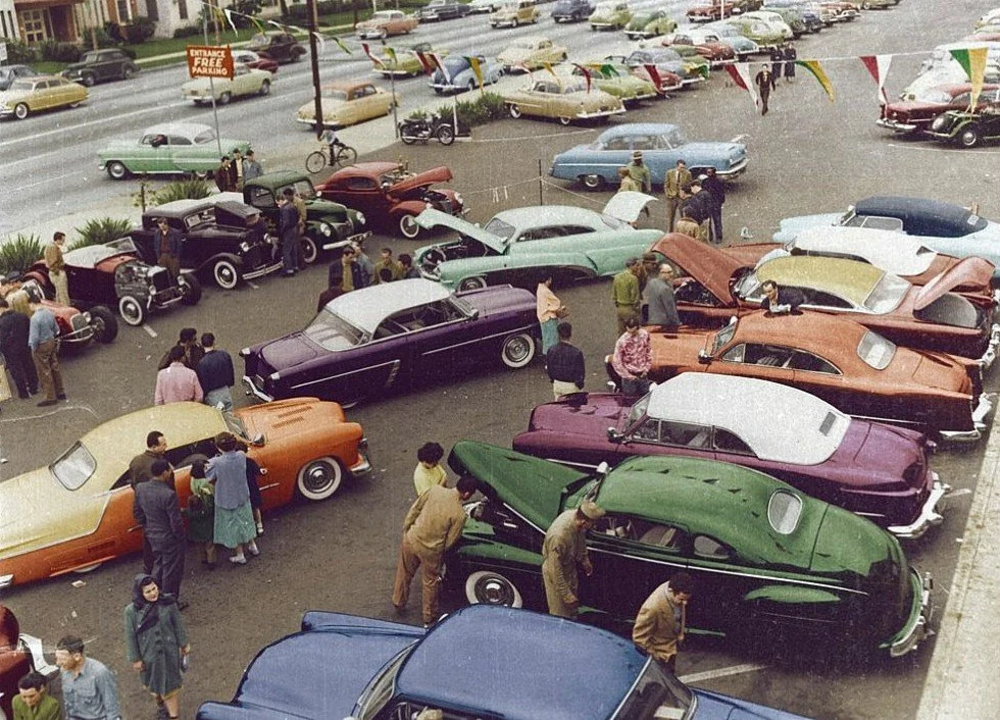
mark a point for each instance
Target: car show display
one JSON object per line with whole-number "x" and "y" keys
{"x": 167, "y": 149}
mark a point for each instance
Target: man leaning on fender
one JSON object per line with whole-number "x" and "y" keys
{"x": 565, "y": 548}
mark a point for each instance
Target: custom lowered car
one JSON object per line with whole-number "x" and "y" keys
{"x": 245, "y": 81}
{"x": 649, "y": 24}
{"x": 906, "y": 116}
{"x": 348, "y": 103}
{"x": 597, "y": 164}
{"x": 253, "y": 60}
{"x": 532, "y": 669}
{"x": 460, "y": 77}
{"x": 968, "y": 129}
{"x": 610, "y": 15}
{"x": 768, "y": 555}
{"x": 76, "y": 329}
{"x": 384, "y": 23}
{"x": 171, "y": 148}
{"x": 281, "y": 47}
{"x": 33, "y": 94}
{"x": 618, "y": 81}
{"x": 531, "y": 53}
{"x": 405, "y": 62}
{"x": 391, "y": 195}
{"x": 567, "y": 102}
{"x": 943, "y": 226}
{"x": 442, "y": 10}
{"x": 19, "y": 655}
{"x": 516, "y": 245}
{"x": 373, "y": 339}
{"x": 875, "y": 470}
{"x": 306, "y": 446}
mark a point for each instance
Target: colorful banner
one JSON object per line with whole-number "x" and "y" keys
{"x": 391, "y": 53}
{"x": 548, "y": 66}
{"x": 426, "y": 62}
{"x": 476, "y": 70}
{"x": 377, "y": 60}
{"x": 321, "y": 41}
{"x": 440, "y": 64}
{"x": 973, "y": 61}
{"x": 740, "y": 74}
{"x": 878, "y": 67}
{"x": 341, "y": 45}
{"x": 817, "y": 71}
{"x": 654, "y": 75}
{"x": 229, "y": 19}
{"x": 586, "y": 74}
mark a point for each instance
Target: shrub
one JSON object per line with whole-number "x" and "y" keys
{"x": 101, "y": 230}
{"x": 245, "y": 7}
{"x": 114, "y": 31}
{"x": 140, "y": 29}
{"x": 20, "y": 54}
{"x": 193, "y": 189}
{"x": 19, "y": 253}
{"x": 187, "y": 31}
{"x": 59, "y": 51}
{"x": 487, "y": 106}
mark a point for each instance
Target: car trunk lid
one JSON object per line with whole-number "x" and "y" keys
{"x": 968, "y": 271}
{"x": 289, "y": 351}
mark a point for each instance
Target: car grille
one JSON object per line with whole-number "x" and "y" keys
{"x": 445, "y": 206}
{"x": 79, "y": 322}
{"x": 161, "y": 279}
{"x": 253, "y": 259}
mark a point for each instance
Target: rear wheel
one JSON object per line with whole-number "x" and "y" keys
{"x": 88, "y": 80}
{"x": 446, "y": 134}
{"x": 518, "y": 350}
{"x": 104, "y": 323}
{"x": 970, "y": 136}
{"x": 514, "y": 110}
{"x": 319, "y": 479}
{"x": 21, "y": 111}
{"x": 132, "y": 311}
{"x": 592, "y": 182}
{"x": 225, "y": 97}
{"x": 408, "y": 227}
{"x": 128, "y": 73}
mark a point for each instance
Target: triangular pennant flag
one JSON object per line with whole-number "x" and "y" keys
{"x": 740, "y": 73}
{"x": 440, "y": 64}
{"x": 586, "y": 74}
{"x": 296, "y": 28}
{"x": 322, "y": 43}
{"x": 341, "y": 45}
{"x": 526, "y": 69}
{"x": 476, "y": 70}
{"x": 368, "y": 52}
{"x": 973, "y": 61}
{"x": 609, "y": 71}
{"x": 276, "y": 24}
{"x": 654, "y": 75}
{"x": 229, "y": 17}
{"x": 878, "y": 68}
{"x": 817, "y": 71}
{"x": 391, "y": 53}
{"x": 256, "y": 23}
{"x": 548, "y": 66}
{"x": 426, "y": 62}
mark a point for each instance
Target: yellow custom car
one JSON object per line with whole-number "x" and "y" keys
{"x": 349, "y": 103}
{"x": 531, "y": 53}
{"x": 246, "y": 81}
{"x": 617, "y": 80}
{"x": 566, "y": 100}
{"x": 403, "y": 62}
{"x": 515, "y": 12}
{"x": 610, "y": 15}
{"x": 44, "y": 92}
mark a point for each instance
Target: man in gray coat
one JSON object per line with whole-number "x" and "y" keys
{"x": 662, "y": 306}
{"x": 158, "y": 510}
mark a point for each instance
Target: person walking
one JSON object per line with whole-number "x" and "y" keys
{"x": 140, "y": 470}
{"x": 193, "y": 352}
{"x": 429, "y": 471}
{"x": 563, "y": 551}
{"x": 43, "y": 339}
{"x": 156, "y": 642}
{"x": 157, "y": 508}
{"x": 662, "y": 619}
{"x": 791, "y": 56}
{"x": 626, "y": 182}
{"x": 716, "y": 190}
{"x": 765, "y": 82}
{"x": 168, "y": 243}
{"x": 675, "y": 179}
{"x": 53, "y": 258}
{"x": 549, "y": 309}
{"x": 177, "y": 382}
{"x": 288, "y": 229}
{"x": 625, "y": 293}
{"x": 216, "y": 375}
{"x": 89, "y": 689}
{"x": 662, "y": 305}
{"x": 632, "y": 359}
{"x": 565, "y": 364}
{"x": 224, "y": 176}
{"x": 33, "y": 701}
{"x": 251, "y": 166}
{"x": 15, "y": 329}
{"x": 236, "y": 170}
{"x": 639, "y": 172}
{"x": 201, "y": 513}
{"x": 433, "y": 524}
{"x": 234, "y": 524}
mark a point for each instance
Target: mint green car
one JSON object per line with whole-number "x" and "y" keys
{"x": 650, "y": 24}
{"x": 618, "y": 80}
{"x": 168, "y": 149}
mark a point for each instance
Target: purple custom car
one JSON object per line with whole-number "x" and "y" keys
{"x": 875, "y": 470}
{"x": 369, "y": 340}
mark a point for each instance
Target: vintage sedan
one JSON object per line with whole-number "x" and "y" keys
{"x": 458, "y": 75}
{"x": 907, "y": 116}
{"x": 877, "y": 471}
{"x": 567, "y": 102}
{"x": 719, "y": 9}
{"x": 773, "y": 20}
{"x": 372, "y": 340}
{"x": 512, "y": 13}
{"x": 384, "y": 23}
{"x": 968, "y": 129}
{"x": 168, "y": 149}
{"x": 348, "y": 103}
{"x": 532, "y": 670}
{"x": 442, "y": 10}
{"x": 717, "y": 34}
{"x": 596, "y": 164}
{"x": 531, "y": 53}
{"x": 945, "y": 227}
{"x": 100, "y": 65}
{"x": 610, "y": 15}
{"x": 254, "y": 61}
{"x": 572, "y": 243}
{"x": 306, "y": 445}
{"x": 282, "y": 47}
{"x": 35, "y": 94}
{"x": 618, "y": 81}
{"x": 19, "y": 655}
{"x": 571, "y": 10}
{"x": 649, "y": 23}
{"x": 692, "y": 70}
{"x": 768, "y": 555}
{"x": 404, "y": 62}
{"x": 246, "y": 82}
{"x": 766, "y": 35}
{"x": 391, "y": 195}
{"x": 942, "y": 67}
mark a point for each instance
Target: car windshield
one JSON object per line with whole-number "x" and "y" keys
{"x": 886, "y": 295}
{"x": 332, "y": 332}
{"x": 380, "y": 689}
{"x": 335, "y": 95}
{"x": 498, "y": 227}
{"x": 938, "y": 97}
{"x": 205, "y": 216}
{"x": 673, "y": 139}
{"x": 89, "y": 57}
{"x": 639, "y": 409}
{"x": 303, "y": 188}
{"x": 875, "y": 350}
{"x": 723, "y": 337}
{"x": 657, "y": 695}
{"x": 205, "y": 136}
{"x": 573, "y": 86}
{"x": 74, "y": 468}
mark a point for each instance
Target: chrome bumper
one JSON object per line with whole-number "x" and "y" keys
{"x": 266, "y": 270}
{"x": 356, "y": 238}
{"x": 250, "y": 389}
{"x": 929, "y": 515}
{"x": 895, "y": 126}
{"x": 735, "y": 171}
{"x": 6, "y": 581}
{"x": 364, "y": 465}
{"x": 599, "y": 114}
{"x": 990, "y": 356}
{"x": 914, "y": 635}
{"x": 984, "y": 406}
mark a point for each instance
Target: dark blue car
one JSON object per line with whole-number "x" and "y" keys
{"x": 481, "y": 662}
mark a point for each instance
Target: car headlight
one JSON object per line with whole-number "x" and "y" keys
{"x": 86, "y": 317}
{"x": 360, "y": 218}
{"x": 274, "y": 377}
{"x": 939, "y": 123}
{"x": 245, "y": 246}
{"x": 325, "y": 229}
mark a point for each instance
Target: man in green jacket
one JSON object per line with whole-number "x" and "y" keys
{"x": 32, "y": 702}
{"x": 563, "y": 551}
{"x": 639, "y": 172}
{"x": 626, "y": 293}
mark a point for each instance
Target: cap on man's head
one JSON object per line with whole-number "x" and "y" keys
{"x": 288, "y": 192}
{"x": 591, "y": 510}
{"x": 637, "y": 154}
{"x": 249, "y": 152}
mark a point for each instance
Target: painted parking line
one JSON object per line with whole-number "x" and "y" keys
{"x": 49, "y": 180}
{"x": 252, "y": 284}
{"x": 721, "y": 672}
{"x": 151, "y": 331}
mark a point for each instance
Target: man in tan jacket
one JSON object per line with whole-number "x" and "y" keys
{"x": 564, "y": 549}
{"x": 53, "y": 256}
{"x": 674, "y": 180}
{"x": 433, "y": 524}
{"x": 661, "y": 622}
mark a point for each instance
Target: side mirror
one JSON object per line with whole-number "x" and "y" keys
{"x": 603, "y": 469}
{"x": 258, "y": 440}
{"x": 615, "y": 436}
{"x": 475, "y": 314}
{"x": 704, "y": 358}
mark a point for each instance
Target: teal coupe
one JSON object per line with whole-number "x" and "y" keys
{"x": 168, "y": 149}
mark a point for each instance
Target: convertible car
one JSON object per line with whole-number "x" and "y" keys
{"x": 908, "y": 116}
{"x": 515, "y": 245}
{"x": 530, "y": 53}
{"x": 458, "y": 75}
{"x": 306, "y": 446}
{"x": 373, "y": 339}
{"x": 766, "y": 554}
{"x": 649, "y": 24}
{"x": 392, "y": 196}
{"x": 662, "y": 145}
{"x": 875, "y": 470}
{"x": 532, "y": 669}
{"x": 566, "y": 101}
{"x": 942, "y": 226}
{"x": 171, "y": 148}
{"x": 245, "y": 82}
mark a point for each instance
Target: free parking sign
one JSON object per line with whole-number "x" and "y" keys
{"x": 210, "y": 61}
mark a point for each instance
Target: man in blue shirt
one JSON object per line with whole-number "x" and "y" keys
{"x": 216, "y": 375}
{"x": 89, "y": 689}
{"x": 43, "y": 339}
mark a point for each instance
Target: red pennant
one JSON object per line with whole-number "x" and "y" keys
{"x": 586, "y": 74}
{"x": 655, "y": 76}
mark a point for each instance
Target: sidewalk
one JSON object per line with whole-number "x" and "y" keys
{"x": 963, "y": 682}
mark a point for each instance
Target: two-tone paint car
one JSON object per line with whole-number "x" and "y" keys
{"x": 649, "y": 23}
{"x": 348, "y": 103}
{"x": 458, "y": 74}
{"x": 965, "y": 128}
{"x": 29, "y": 95}
{"x": 531, "y": 53}
{"x": 384, "y": 23}
{"x": 168, "y": 149}
{"x": 911, "y": 116}
{"x": 565, "y": 100}
{"x": 245, "y": 82}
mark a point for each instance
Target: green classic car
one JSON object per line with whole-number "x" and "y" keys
{"x": 570, "y": 242}
{"x": 171, "y": 148}
{"x": 766, "y": 36}
{"x": 618, "y": 81}
{"x": 767, "y": 560}
{"x": 650, "y": 24}
{"x": 610, "y": 15}
{"x": 404, "y": 62}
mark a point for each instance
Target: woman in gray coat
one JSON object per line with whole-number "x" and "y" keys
{"x": 156, "y": 642}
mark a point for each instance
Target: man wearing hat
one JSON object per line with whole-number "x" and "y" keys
{"x": 639, "y": 172}
{"x": 564, "y": 549}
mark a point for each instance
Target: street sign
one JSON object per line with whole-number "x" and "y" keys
{"x": 210, "y": 61}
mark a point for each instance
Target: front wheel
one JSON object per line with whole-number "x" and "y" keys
{"x": 514, "y": 110}
{"x": 104, "y": 324}
{"x": 472, "y": 283}
{"x": 190, "y": 289}
{"x": 408, "y": 227}
{"x": 265, "y": 88}
{"x": 446, "y": 134}
{"x": 408, "y": 139}
{"x": 117, "y": 170}
{"x": 132, "y": 311}
{"x": 308, "y": 250}
{"x": 346, "y": 155}
{"x": 225, "y": 97}
{"x": 88, "y": 80}
{"x": 320, "y": 478}
{"x": 564, "y": 120}
{"x": 970, "y": 137}
{"x": 518, "y": 350}
{"x": 21, "y": 111}
{"x": 226, "y": 274}
{"x": 485, "y": 587}
{"x": 315, "y": 162}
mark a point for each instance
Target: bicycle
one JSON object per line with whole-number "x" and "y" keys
{"x": 319, "y": 159}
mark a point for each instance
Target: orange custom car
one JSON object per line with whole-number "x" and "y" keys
{"x": 305, "y": 446}
{"x": 385, "y": 23}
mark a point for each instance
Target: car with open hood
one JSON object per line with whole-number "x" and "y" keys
{"x": 945, "y": 227}
{"x": 610, "y": 15}
{"x": 516, "y": 665}
{"x": 348, "y": 103}
{"x": 566, "y": 100}
{"x": 649, "y": 23}
{"x": 458, "y": 74}
{"x": 662, "y": 145}
{"x": 766, "y": 554}
{"x": 168, "y": 149}
{"x": 245, "y": 82}
{"x": 29, "y": 95}
{"x": 875, "y": 470}
{"x": 909, "y": 116}
{"x": 572, "y": 243}
{"x": 531, "y": 53}
{"x": 306, "y": 445}
{"x": 391, "y": 195}
{"x": 99, "y": 65}
{"x": 384, "y": 336}
{"x": 384, "y": 23}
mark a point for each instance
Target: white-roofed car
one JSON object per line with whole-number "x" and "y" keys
{"x": 870, "y": 468}
{"x": 245, "y": 82}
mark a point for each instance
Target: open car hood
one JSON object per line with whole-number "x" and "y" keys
{"x": 964, "y": 272}
{"x": 626, "y": 206}
{"x": 428, "y": 177}
{"x": 431, "y": 218}
{"x": 709, "y": 266}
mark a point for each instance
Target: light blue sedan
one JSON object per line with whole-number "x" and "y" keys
{"x": 662, "y": 145}
{"x": 460, "y": 76}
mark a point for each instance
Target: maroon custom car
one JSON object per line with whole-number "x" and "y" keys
{"x": 76, "y": 328}
{"x": 717, "y": 53}
{"x": 387, "y": 193}
{"x": 876, "y": 470}
{"x": 718, "y": 9}
{"x": 908, "y": 116}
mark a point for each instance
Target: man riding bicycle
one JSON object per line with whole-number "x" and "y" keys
{"x": 330, "y": 138}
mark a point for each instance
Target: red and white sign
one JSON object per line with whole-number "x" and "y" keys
{"x": 210, "y": 61}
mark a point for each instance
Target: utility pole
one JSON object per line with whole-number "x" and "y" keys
{"x": 314, "y": 56}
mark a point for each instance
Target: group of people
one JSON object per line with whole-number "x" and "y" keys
{"x": 193, "y": 372}
{"x": 354, "y": 270}
{"x": 235, "y": 169}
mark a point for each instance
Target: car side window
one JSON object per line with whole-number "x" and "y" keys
{"x": 177, "y": 140}
{"x": 617, "y": 143}
{"x": 261, "y": 197}
{"x": 769, "y": 355}
{"x": 685, "y": 434}
{"x": 736, "y": 354}
{"x": 648, "y": 431}
{"x": 824, "y": 299}
{"x": 665, "y": 537}
{"x": 725, "y": 441}
{"x": 877, "y": 222}
{"x": 710, "y": 549}
{"x": 360, "y": 183}
{"x": 812, "y": 363}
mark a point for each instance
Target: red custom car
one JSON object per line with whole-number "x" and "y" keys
{"x": 76, "y": 329}
{"x": 906, "y": 116}
{"x": 254, "y": 61}
{"x": 717, "y": 53}
{"x": 718, "y": 9}
{"x": 387, "y": 193}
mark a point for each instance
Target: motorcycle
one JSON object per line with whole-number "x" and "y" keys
{"x": 423, "y": 130}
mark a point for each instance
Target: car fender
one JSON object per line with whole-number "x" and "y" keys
{"x": 791, "y": 595}
{"x": 236, "y": 260}
{"x": 407, "y": 207}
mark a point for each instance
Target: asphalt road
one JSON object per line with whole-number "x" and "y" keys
{"x": 807, "y": 155}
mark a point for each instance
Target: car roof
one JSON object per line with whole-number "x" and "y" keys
{"x": 946, "y": 219}
{"x": 778, "y": 422}
{"x": 181, "y": 423}
{"x": 176, "y": 128}
{"x": 368, "y": 307}
{"x": 347, "y": 86}
{"x": 892, "y": 251}
{"x": 835, "y": 337}
{"x": 636, "y": 129}
{"x": 848, "y": 279}
{"x": 519, "y": 665}
{"x": 365, "y": 169}
{"x": 276, "y": 179}
{"x": 179, "y": 208}
{"x": 538, "y": 216}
